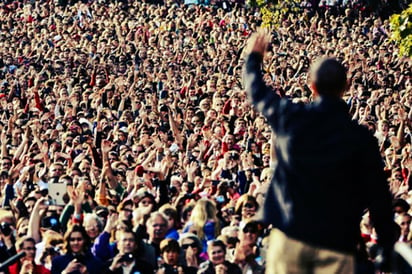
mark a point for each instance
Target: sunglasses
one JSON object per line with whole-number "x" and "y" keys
{"x": 248, "y": 205}
{"x": 249, "y": 230}
{"x": 186, "y": 246}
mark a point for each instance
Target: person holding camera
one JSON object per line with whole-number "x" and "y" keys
{"x": 126, "y": 261}
{"x": 26, "y": 264}
{"x": 78, "y": 258}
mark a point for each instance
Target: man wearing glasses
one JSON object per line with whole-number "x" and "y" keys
{"x": 27, "y": 264}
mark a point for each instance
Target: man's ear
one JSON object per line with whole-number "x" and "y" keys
{"x": 314, "y": 90}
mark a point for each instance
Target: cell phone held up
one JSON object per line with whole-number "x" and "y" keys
{"x": 128, "y": 257}
{"x": 5, "y": 229}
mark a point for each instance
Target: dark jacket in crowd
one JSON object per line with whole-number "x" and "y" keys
{"x": 328, "y": 171}
{"x": 139, "y": 266}
{"x": 92, "y": 263}
{"x": 208, "y": 268}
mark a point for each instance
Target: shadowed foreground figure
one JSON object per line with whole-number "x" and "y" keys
{"x": 328, "y": 172}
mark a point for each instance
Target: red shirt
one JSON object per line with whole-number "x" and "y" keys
{"x": 38, "y": 269}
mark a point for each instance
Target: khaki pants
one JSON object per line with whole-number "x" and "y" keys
{"x": 286, "y": 255}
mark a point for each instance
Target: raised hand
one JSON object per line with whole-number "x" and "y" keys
{"x": 258, "y": 42}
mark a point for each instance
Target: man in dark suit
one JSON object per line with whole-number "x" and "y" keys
{"x": 328, "y": 172}
{"x": 126, "y": 261}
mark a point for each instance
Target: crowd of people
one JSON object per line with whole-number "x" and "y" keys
{"x": 128, "y": 143}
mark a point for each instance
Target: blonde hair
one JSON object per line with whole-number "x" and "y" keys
{"x": 53, "y": 238}
{"x": 204, "y": 211}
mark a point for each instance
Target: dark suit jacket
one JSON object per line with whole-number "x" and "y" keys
{"x": 140, "y": 266}
{"x": 93, "y": 264}
{"x": 328, "y": 169}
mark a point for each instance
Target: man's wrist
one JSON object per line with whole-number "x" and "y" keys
{"x": 111, "y": 268}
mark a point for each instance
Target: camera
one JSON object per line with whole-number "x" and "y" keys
{"x": 128, "y": 257}
{"x": 220, "y": 199}
{"x": 49, "y": 202}
{"x": 5, "y": 229}
{"x": 80, "y": 259}
{"x": 234, "y": 156}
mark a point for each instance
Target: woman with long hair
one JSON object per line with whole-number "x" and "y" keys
{"x": 77, "y": 255}
{"x": 204, "y": 222}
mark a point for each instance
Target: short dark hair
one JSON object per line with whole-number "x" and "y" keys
{"x": 213, "y": 243}
{"x": 401, "y": 203}
{"x": 329, "y": 76}
{"x": 23, "y": 240}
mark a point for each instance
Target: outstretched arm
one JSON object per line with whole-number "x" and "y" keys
{"x": 264, "y": 99}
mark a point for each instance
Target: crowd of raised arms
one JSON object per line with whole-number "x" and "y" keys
{"x": 128, "y": 142}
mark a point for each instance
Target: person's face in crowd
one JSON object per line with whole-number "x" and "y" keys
{"x": 404, "y": 221}
{"x": 85, "y": 167}
{"x": 204, "y": 105}
{"x": 188, "y": 244}
{"x": 266, "y": 160}
{"x": 397, "y": 175}
{"x": 218, "y": 105}
{"x": 9, "y": 106}
{"x": 55, "y": 171}
{"x": 91, "y": 227}
{"x": 30, "y": 249}
{"x": 126, "y": 212}
{"x": 218, "y": 132}
{"x": 136, "y": 150}
{"x": 248, "y": 235}
{"x": 29, "y": 205}
{"x": 126, "y": 242}
{"x": 171, "y": 257}
{"x": 17, "y": 135}
{"x": 383, "y": 127}
{"x": 189, "y": 114}
{"x": 230, "y": 140}
{"x": 192, "y": 93}
{"x": 216, "y": 255}
{"x": 122, "y": 68}
{"x": 83, "y": 58}
{"x": 76, "y": 242}
{"x": 248, "y": 209}
{"x": 8, "y": 61}
{"x": 4, "y": 178}
{"x": 121, "y": 136}
{"x": 112, "y": 157}
{"x": 392, "y": 132}
{"x": 5, "y": 164}
{"x": 170, "y": 222}
{"x": 157, "y": 229}
{"x": 211, "y": 114}
{"x": 146, "y": 202}
{"x": 259, "y": 122}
